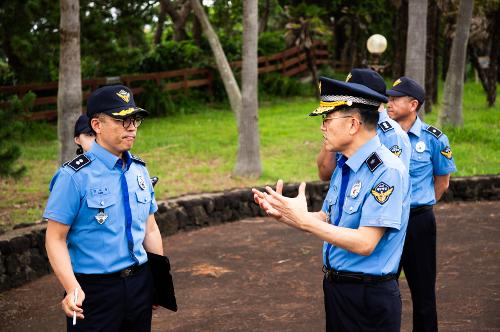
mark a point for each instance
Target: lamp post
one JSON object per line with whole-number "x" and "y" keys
{"x": 376, "y": 45}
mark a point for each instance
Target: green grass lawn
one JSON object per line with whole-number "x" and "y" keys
{"x": 196, "y": 152}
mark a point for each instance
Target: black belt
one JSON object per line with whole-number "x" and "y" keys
{"x": 420, "y": 209}
{"x": 125, "y": 273}
{"x": 355, "y": 277}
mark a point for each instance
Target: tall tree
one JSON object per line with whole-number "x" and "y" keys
{"x": 227, "y": 76}
{"x": 248, "y": 158}
{"x": 69, "y": 95}
{"x": 451, "y": 113}
{"x": 416, "y": 42}
{"x": 431, "y": 63}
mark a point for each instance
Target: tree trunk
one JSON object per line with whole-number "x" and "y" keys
{"x": 431, "y": 55}
{"x": 416, "y": 42}
{"x": 196, "y": 30}
{"x": 265, "y": 17}
{"x": 451, "y": 113}
{"x": 161, "y": 24}
{"x": 401, "y": 30}
{"x": 178, "y": 17}
{"x": 69, "y": 95}
{"x": 248, "y": 158}
{"x": 227, "y": 76}
{"x": 493, "y": 69}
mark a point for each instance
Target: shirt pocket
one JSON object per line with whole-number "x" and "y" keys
{"x": 351, "y": 206}
{"x": 103, "y": 205}
{"x": 143, "y": 201}
{"x": 419, "y": 162}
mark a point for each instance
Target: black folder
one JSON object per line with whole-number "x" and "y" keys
{"x": 164, "y": 294}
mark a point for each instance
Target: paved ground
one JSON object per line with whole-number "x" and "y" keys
{"x": 257, "y": 275}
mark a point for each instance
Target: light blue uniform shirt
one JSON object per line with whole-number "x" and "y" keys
{"x": 431, "y": 155}
{"x": 394, "y": 138}
{"x": 377, "y": 195}
{"x": 77, "y": 196}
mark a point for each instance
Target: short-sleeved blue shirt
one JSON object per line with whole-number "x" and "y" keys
{"x": 377, "y": 195}
{"x": 78, "y": 196}
{"x": 394, "y": 138}
{"x": 431, "y": 155}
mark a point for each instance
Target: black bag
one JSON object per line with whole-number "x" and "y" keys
{"x": 164, "y": 294}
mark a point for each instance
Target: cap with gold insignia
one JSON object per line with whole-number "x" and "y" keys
{"x": 367, "y": 77}
{"x": 116, "y": 101}
{"x": 405, "y": 86}
{"x": 338, "y": 95}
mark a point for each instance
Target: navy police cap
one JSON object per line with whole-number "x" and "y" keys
{"x": 116, "y": 101}
{"x": 337, "y": 95}
{"x": 82, "y": 126}
{"x": 405, "y": 86}
{"x": 367, "y": 77}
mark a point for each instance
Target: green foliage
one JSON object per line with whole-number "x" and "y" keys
{"x": 10, "y": 150}
{"x": 274, "y": 84}
{"x": 155, "y": 100}
{"x": 271, "y": 42}
{"x": 172, "y": 55}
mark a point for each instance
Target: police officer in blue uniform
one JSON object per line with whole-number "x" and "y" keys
{"x": 430, "y": 167}
{"x": 390, "y": 133}
{"x": 101, "y": 222}
{"x": 364, "y": 215}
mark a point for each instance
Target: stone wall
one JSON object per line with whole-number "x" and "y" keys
{"x": 22, "y": 251}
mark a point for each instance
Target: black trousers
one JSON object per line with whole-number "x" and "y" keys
{"x": 116, "y": 303}
{"x": 419, "y": 264}
{"x": 369, "y": 306}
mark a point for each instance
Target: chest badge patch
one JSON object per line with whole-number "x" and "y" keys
{"x": 420, "y": 146}
{"x": 141, "y": 182}
{"x": 101, "y": 216}
{"x": 446, "y": 152}
{"x": 396, "y": 150}
{"x": 356, "y": 188}
{"x": 382, "y": 192}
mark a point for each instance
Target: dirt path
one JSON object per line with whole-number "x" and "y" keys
{"x": 257, "y": 275}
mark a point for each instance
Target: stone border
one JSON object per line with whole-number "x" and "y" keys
{"x": 22, "y": 251}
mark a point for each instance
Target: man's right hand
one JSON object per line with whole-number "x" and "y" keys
{"x": 68, "y": 304}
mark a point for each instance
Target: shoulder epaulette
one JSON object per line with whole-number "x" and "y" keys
{"x": 373, "y": 161}
{"x": 78, "y": 163}
{"x": 434, "y": 131}
{"x": 385, "y": 126}
{"x": 137, "y": 160}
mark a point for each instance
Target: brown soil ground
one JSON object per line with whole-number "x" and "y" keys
{"x": 258, "y": 275}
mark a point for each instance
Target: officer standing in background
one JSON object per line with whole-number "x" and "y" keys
{"x": 101, "y": 223}
{"x": 364, "y": 216}
{"x": 390, "y": 133}
{"x": 430, "y": 167}
{"x": 84, "y": 135}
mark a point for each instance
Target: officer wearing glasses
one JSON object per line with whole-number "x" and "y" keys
{"x": 389, "y": 131}
{"x": 101, "y": 222}
{"x": 364, "y": 215}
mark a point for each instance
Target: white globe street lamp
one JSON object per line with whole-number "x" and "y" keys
{"x": 376, "y": 44}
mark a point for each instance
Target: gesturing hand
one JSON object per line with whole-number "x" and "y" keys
{"x": 287, "y": 210}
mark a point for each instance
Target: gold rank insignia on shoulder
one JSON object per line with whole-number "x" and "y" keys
{"x": 382, "y": 192}
{"x": 446, "y": 152}
{"x": 124, "y": 95}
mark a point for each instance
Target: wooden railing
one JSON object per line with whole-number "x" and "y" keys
{"x": 289, "y": 63}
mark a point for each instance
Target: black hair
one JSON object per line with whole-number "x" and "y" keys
{"x": 79, "y": 151}
{"x": 369, "y": 114}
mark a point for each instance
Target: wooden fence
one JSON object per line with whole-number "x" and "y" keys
{"x": 289, "y": 63}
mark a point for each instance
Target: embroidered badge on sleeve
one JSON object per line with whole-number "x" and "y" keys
{"x": 446, "y": 152}
{"x": 396, "y": 150}
{"x": 381, "y": 192}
